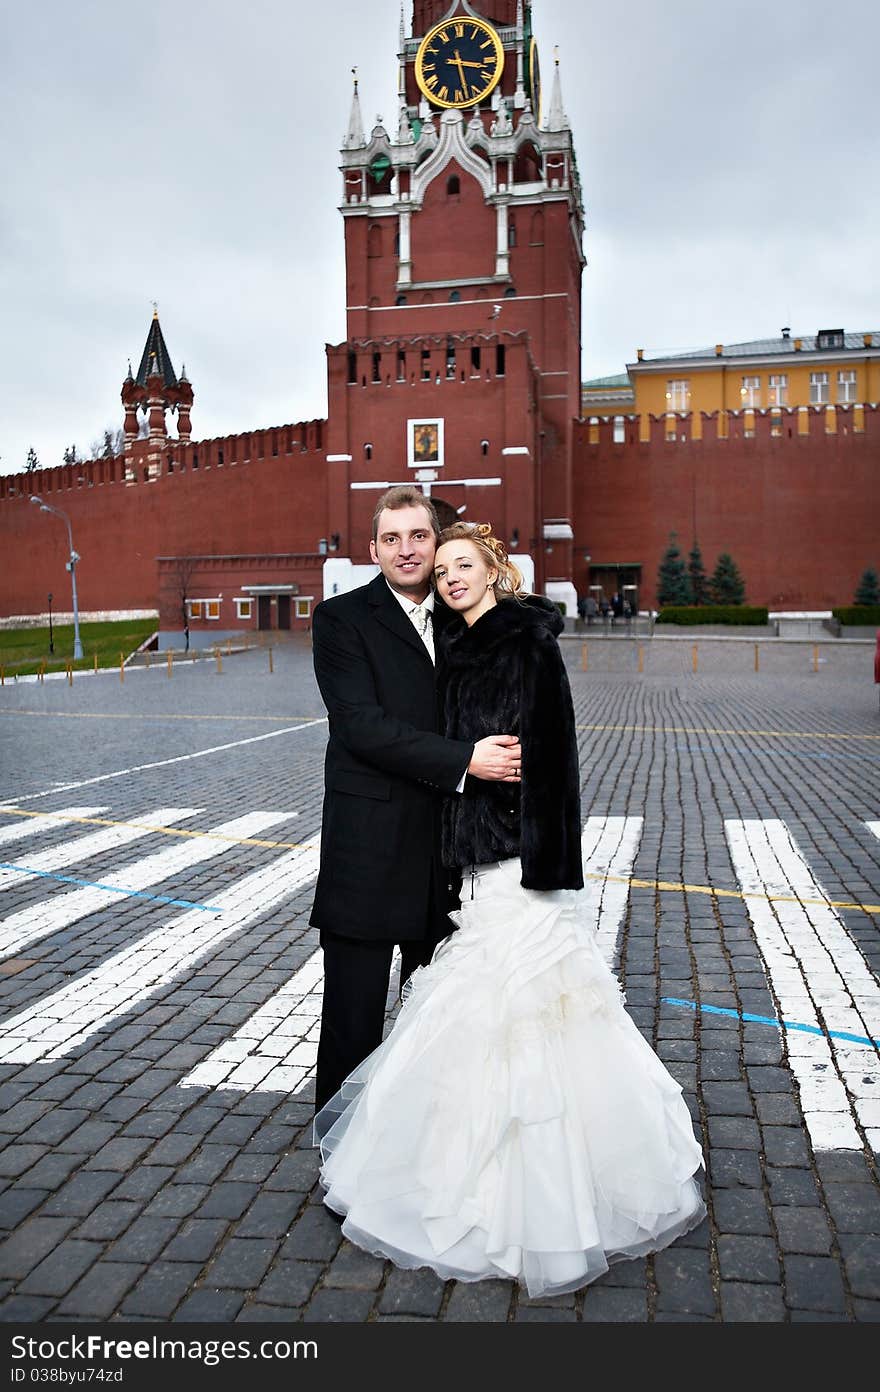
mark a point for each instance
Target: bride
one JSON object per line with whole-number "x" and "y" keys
{"x": 514, "y": 1123}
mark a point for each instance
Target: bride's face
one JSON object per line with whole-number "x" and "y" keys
{"x": 463, "y": 578}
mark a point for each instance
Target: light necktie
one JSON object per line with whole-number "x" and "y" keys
{"x": 420, "y": 616}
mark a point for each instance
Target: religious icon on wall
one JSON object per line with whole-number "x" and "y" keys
{"x": 425, "y": 442}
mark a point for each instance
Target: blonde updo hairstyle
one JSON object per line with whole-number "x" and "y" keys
{"x": 509, "y": 584}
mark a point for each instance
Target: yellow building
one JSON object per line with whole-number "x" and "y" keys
{"x": 829, "y": 368}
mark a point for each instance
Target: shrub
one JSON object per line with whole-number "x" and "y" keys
{"x": 858, "y": 615}
{"x": 734, "y": 614}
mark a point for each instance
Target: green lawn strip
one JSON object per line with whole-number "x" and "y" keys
{"x": 24, "y": 650}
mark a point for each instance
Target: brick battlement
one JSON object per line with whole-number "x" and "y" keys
{"x": 176, "y": 456}
{"x": 722, "y": 428}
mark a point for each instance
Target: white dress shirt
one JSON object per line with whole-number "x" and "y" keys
{"x": 421, "y": 616}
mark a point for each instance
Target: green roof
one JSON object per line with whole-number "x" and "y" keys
{"x": 621, "y": 380}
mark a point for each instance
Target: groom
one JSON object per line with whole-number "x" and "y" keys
{"x": 381, "y": 880}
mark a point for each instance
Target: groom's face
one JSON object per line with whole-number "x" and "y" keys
{"x": 404, "y": 550}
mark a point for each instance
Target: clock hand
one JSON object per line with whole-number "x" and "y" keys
{"x": 459, "y": 64}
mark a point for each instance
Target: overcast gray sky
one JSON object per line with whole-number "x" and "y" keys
{"x": 186, "y": 151}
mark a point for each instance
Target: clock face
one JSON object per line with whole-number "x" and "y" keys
{"x": 459, "y": 62}
{"x": 535, "y": 80}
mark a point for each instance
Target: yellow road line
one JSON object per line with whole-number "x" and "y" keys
{"x": 95, "y": 715}
{"x": 709, "y": 730}
{"x": 160, "y": 830}
{"x": 669, "y": 886}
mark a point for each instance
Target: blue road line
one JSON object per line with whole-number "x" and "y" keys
{"x": 768, "y": 1020}
{"x": 112, "y": 889}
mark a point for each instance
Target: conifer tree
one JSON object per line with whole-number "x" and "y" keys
{"x": 699, "y": 582}
{"x": 727, "y": 585}
{"x": 869, "y": 588}
{"x": 32, "y": 461}
{"x": 673, "y": 586}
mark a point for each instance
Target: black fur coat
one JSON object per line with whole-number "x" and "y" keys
{"x": 505, "y": 675}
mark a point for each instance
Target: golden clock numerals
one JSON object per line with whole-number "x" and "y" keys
{"x": 446, "y": 76}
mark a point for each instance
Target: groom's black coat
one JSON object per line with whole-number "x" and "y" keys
{"x": 385, "y": 770}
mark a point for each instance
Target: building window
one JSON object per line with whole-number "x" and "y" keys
{"x": 244, "y": 608}
{"x": 511, "y": 232}
{"x": 303, "y": 607}
{"x": 426, "y": 364}
{"x": 818, "y": 388}
{"x": 454, "y": 296}
{"x": 475, "y": 362}
{"x": 778, "y": 390}
{"x": 401, "y": 300}
{"x": 453, "y": 185}
{"x": 204, "y": 608}
{"x": 377, "y": 367}
{"x": 750, "y": 392}
{"x": 499, "y": 360}
{"x": 846, "y": 386}
{"x": 619, "y": 430}
{"x": 678, "y": 392}
{"x": 401, "y": 365}
{"x": 829, "y": 338}
{"x": 450, "y": 358}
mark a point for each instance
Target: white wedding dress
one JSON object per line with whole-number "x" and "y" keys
{"x": 514, "y": 1123}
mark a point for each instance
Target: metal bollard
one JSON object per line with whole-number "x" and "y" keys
{"x": 122, "y": 667}
{"x": 96, "y": 662}
{"x": 757, "y": 658}
{"x": 641, "y": 658}
{"x": 170, "y": 659}
{"x": 271, "y": 663}
{"x": 815, "y": 657}
{"x": 219, "y": 658}
{"x": 70, "y": 674}
{"x": 584, "y": 659}
{"x": 695, "y": 657}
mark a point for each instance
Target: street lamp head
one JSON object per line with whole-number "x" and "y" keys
{"x": 35, "y": 499}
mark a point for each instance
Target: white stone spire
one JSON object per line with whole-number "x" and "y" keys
{"x": 519, "y": 96}
{"x": 556, "y": 117}
{"x": 354, "y": 136}
{"x": 404, "y": 128}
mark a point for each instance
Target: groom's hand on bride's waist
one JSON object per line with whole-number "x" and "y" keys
{"x": 497, "y": 758}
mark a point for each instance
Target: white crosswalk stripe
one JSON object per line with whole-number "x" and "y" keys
{"x": 819, "y": 978}
{"x": 610, "y": 845}
{"x": 36, "y": 825}
{"x": 73, "y": 1014}
{"x": 37, "y": 921}
{"x": 275, "y": 1050}
{"x": 96, "y": 843}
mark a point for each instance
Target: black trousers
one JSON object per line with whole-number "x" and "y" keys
{"x": 355, "y": 991}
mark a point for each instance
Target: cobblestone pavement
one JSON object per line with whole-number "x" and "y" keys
{"x": 161, "y": 987}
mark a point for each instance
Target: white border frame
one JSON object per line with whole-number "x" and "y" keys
{"x": 412, "y": 426}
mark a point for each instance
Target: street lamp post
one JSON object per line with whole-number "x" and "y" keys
{"x": 71, "y": 566}
{"x": 51, "y": 642}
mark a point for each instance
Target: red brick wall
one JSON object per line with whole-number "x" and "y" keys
{"x": 799, "y": 514}
{"x": 254, "y": 502}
